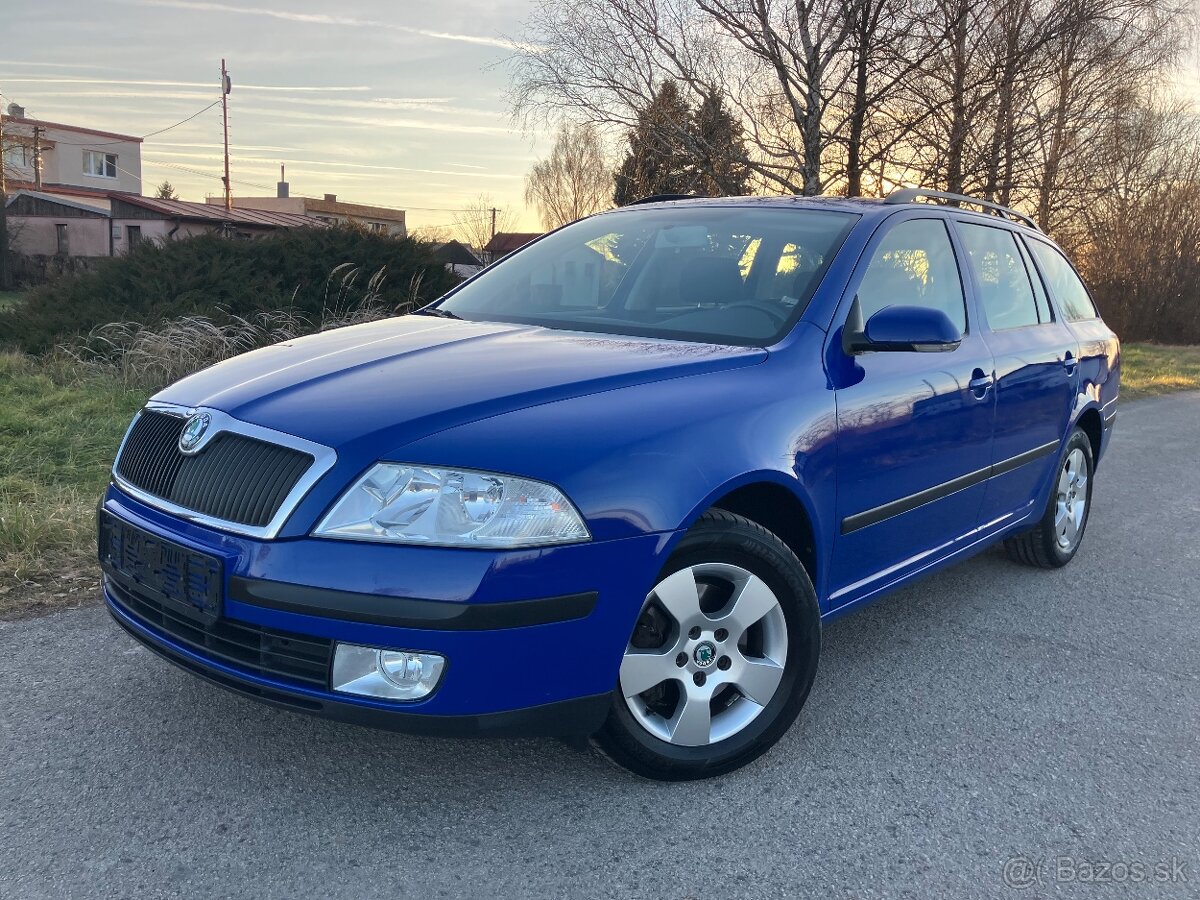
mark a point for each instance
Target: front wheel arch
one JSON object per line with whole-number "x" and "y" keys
{"x": 779, "y": 504}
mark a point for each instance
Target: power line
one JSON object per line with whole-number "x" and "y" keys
{"x": 144, "y": 136}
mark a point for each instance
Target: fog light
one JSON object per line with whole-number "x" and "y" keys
{"x": 390, "y": 674}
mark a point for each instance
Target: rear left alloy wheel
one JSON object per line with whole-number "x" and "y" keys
{"x": 721, "y": 659}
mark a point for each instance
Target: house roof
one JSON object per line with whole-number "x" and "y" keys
{"x": 68, "y": 190}
{"x": 92, "y": 209}
{"x": 455, "y": 253}
{"x": 506, "y": 242}
{"x": 20, "y": 120}
{"x": 204, "y": 212}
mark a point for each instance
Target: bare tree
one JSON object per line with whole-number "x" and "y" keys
{"x": 432, "y": 234}
{"x": 1140, "y": 246}
{"x": 574, "y": 181}
{"x": 478, "y": 221}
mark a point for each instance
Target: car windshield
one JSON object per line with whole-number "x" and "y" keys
{"x": 722, "y": 274}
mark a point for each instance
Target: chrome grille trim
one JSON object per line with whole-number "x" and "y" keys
{"x": 324, "y": 459}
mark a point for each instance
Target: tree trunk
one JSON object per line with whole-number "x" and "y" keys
{"x": 958, "y": 103}
{"x": 858, "y": 109}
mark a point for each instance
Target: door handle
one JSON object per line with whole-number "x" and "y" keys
{"x": 980, "y": 382}
{"x": 1070, "y": 362}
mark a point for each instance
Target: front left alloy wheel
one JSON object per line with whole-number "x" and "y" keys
{"x": 722, "y": 657}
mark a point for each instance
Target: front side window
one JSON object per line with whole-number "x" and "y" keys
{"x": 1005, "y": 288}
{"x": 100, "y": 165}
{"x": 1064, "y": 284}
{"x": 722, "y": 274}
{"x": 914, "y": 265}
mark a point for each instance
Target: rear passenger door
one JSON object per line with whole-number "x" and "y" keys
{"x": 1036, "y": 362}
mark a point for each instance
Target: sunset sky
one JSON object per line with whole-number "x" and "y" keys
{"x": 399, "y": 104}
{"x": 394, "y": 103}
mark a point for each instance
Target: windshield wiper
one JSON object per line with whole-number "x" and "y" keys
{"x": 439, "y": 312}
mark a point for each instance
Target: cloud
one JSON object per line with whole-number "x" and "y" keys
{"x": 283, "y": 118}
{"x": 258, "y": 161}
{"x": 324, "y": 89}
{"x": 326, "y": 19}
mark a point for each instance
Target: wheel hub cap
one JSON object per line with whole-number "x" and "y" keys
{"x": 705, "y": 654}
{"x": 719, "y": 663}
{"x": 1070, "y": 507}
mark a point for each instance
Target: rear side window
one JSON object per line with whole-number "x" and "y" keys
{"x": 1005, "y": 289}
{"x": 1039, "y": 292}
{"x": 914, "y": 265}
{"x": 1064, "y": 284}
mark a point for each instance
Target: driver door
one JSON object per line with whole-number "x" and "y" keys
{"x": 914, "y": 428}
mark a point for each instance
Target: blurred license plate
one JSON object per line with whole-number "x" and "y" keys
{"x": 180, "y": 579}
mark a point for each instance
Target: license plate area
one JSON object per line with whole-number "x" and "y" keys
{"x": 186, "y": 582}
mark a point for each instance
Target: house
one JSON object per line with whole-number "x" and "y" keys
{"x": 328, "y": 210}
{"x": 143, "y": 218}
{"x": 55, "y": 233}
{"x": 458, "y": 258}
{"x": 505, "y": 242}
{"x": 73, "y": 160}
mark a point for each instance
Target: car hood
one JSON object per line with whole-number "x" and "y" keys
{"x": 386, "y": 383}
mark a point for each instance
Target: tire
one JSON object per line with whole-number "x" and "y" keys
{"x": 733, "y": 612}
{"x": 1055, "y": 540}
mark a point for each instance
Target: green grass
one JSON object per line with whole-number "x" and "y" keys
{"x": 59, "y": 429}
{"x": 10, "y": 298}
{"x": 1148, "y": 370}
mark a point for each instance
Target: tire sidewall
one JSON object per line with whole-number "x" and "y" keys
{"x": 742, "y": 546}
{"x": 1080, "y": 441}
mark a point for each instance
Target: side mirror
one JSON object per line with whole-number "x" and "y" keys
{"x": 899, "y": 329}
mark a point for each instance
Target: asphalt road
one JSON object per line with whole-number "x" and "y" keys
{"x": 991, "y": 713}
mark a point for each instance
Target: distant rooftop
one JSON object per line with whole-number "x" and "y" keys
{"x": 207, "y": 212}
{"x": 505, "y": 242}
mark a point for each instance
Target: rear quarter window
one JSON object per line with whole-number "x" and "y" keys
{"x": 1067, "y": 288}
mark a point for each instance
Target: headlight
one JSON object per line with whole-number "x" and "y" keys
{"x": 452, "y": 508}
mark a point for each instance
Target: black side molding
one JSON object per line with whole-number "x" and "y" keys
{"x": 405, "y": 612}
{"x": 945, "y": 489}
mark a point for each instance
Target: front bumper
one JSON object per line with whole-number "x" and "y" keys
{"x": 533, "y": 639}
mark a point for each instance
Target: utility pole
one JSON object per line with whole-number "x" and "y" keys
{"x": 225, "y": 86}
{"x": 5, "y": 277}
{"x": 37, "y": 157}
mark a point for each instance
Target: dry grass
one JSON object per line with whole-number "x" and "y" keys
{"x": 58, "y": 430}
{"x": 148, "y": 358}
{"x": 1148, "y": 370}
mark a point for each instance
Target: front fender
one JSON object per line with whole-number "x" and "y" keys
{"x": 653, "y": 457}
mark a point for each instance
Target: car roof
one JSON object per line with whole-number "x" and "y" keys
{"x": 867, "y": 207}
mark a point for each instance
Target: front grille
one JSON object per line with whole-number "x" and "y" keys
{"x": 282, "y": 655}
{"x": 235, "y": 478}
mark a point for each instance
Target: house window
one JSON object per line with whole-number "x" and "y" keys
{"x": 134, "y": 233}
{"x": 64, "y": 243}
{"x": 17, "y": 155}
{"x": 99, "y": 165}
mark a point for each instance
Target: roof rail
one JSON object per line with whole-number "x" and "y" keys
{"x": 910, "y": 195}
{"x": 663, "y": 198}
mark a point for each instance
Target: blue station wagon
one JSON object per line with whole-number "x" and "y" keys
{"x": 615, "y": 484}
